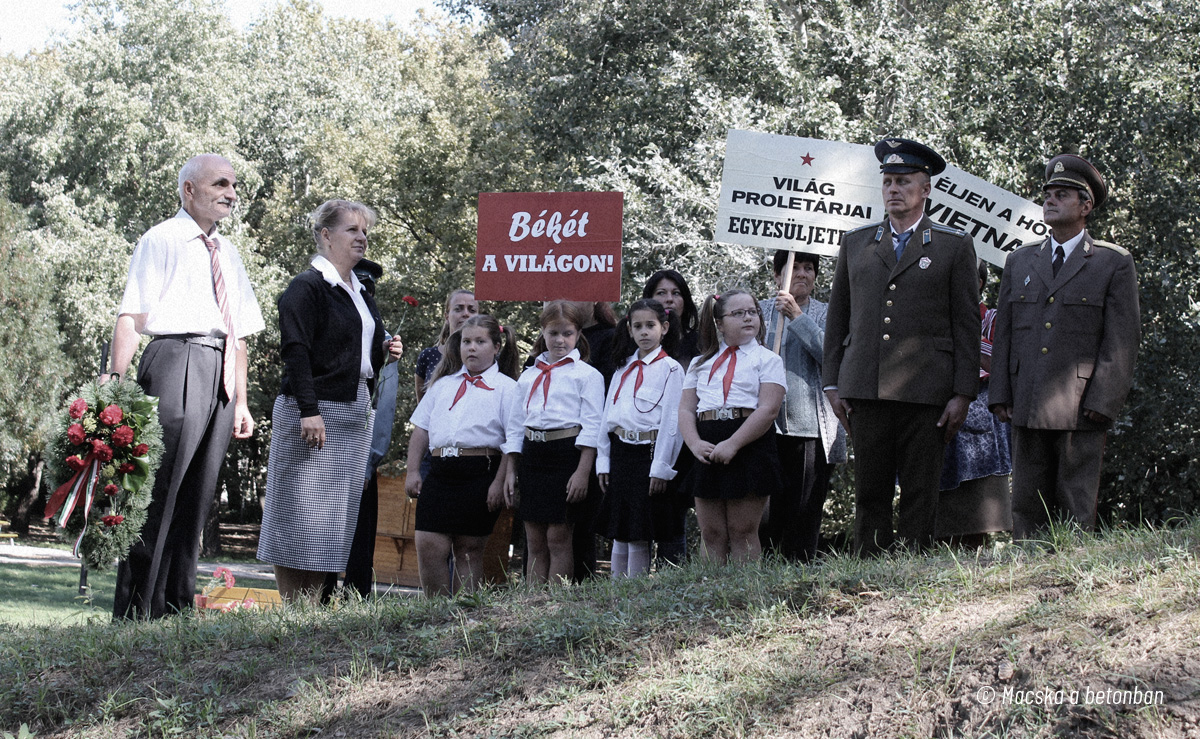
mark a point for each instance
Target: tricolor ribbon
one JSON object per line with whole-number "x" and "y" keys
{"x": 67, "y": 496}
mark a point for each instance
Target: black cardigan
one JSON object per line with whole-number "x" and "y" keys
{"x": 321, "y": 342}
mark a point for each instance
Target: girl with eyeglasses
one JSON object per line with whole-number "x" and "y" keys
{"x": 731, "y": 395}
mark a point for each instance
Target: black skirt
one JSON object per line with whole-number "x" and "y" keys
{"x": 542, "y": 476}
{"x": 753, "y": 473}
{"x": 628, "y": 512}
{"x": 453, "y": 498}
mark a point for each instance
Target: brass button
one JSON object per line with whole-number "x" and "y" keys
{"x": 889, "y": 304}
{"x": 888, "y": 319}
{"x": 887, "y": 337}
{"x": 1045, "y": 350}
{"x": 1084, "y": 299}
{"x": 1051, "y": 300}
{"x": 892, "y": 286}
{"x": 1022, "y": 297}
{"x": 1047, "y": 324}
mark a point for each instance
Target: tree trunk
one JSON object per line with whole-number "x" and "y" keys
{"x": 20, "y": 522}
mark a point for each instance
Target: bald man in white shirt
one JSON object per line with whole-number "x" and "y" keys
{"x": 188, "y": 290}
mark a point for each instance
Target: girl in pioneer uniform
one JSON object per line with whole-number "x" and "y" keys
{"x": 640, "y": 440}
{"x": 462, "y": 422}
{"x": 731, "y": 394}
{"x": 552, "y": 435}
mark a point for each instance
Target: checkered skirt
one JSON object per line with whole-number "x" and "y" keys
{"x": 313, "y": 494}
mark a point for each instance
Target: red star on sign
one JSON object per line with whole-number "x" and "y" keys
{"x": 808, "y": 159}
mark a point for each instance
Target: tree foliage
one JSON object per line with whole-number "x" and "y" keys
{"x": 599, "y": 94}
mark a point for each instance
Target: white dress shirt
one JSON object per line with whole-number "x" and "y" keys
{"x": 575, "y": 399}
{"x": 170, "y": 280}
{"x": 1068, "y": 246}
{"x": 478, "y": 419}
{"x": 330, "y": 273}
{"x": 655, "y": 405}
{"x": 755, "y": 365}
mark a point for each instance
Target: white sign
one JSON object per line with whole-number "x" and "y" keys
{"x": 785, "y": 192}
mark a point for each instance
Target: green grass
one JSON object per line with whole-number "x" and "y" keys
{"x": 898, "y": 646}
{"x": 49, "y": 595}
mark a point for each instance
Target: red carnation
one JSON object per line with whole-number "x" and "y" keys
{"x": 122, "y": 436}
{"x": 76, "y": 434}
{"x": 111, "y": 489}
{"x": 75, "y": 463}
{"x": 410, "y": 300}
{"x": 78, "y": 408}
{"x": 111, "y": 415}
{"x": 141, "y": 450}
{"x": 103, "y": 451}
{"x": 126, "y": 468}
{"x": 112, "y": 520}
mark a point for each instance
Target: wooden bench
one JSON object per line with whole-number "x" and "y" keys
{"x": 395, "y": 539}
{"x": 12, "y": 538}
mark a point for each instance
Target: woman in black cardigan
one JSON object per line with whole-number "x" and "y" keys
{"x": 332, "y": 343}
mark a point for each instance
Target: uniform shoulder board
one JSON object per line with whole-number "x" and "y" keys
{"x": 948, "y": 230}
{"x": 1114, "y": 247}
{"x": 862, "y": 228}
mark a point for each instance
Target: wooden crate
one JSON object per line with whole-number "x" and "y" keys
{"x": 395, "y": 545}
{"x": 227, "y": 599}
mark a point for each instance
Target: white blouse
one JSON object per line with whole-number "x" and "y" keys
{"x": 755, "y": 365}
{"x": 575, "y": 397}
{"x": 354, "y": 289}
{"x": 478, "y": 419}
{"x": 654, "y": 405}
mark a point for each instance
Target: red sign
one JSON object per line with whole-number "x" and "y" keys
{"x": 549, "y": 246}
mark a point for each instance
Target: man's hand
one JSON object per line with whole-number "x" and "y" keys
{"x": 1095, "y": 417}
{"x": 954, "y": 415}
{"x": 243, "y": 422}
{"x": 841, "y": 408}
{"x": 1003, "y": 412}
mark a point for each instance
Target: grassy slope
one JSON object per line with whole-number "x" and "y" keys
{"x": 895, "y": 647}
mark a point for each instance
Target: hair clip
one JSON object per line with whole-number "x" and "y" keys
{"x": 717, "y": 297}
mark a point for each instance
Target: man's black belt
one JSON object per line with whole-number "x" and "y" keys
{"x": 216, "y": 342}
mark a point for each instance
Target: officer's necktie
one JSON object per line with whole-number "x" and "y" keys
{"x": 901, "y": 241}
{"x": 1059, "y": 255}
{"x": 227, "y": 374}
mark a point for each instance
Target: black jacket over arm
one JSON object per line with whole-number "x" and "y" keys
{"x": 321, "y": 342}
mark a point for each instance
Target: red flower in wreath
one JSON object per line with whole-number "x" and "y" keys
{"x": 78, "y": 408}
{"x": 126, "y": 468}
{"x": 410, "y": 300}
{"x": 111, "y": 521}
{"x": 111, "y": 489}
{"x": 75, "y": 463}
{"x": 111, "y": 415}
{"x": 103, "y": 451}
{"x": 122, "y": 436}
{"x": 76, "y": 434}
{"x": 141, "y": 450}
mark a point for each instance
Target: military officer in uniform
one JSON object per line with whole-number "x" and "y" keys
{"x": 901, "y": 348}
{"x": 1067, "y": 332}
